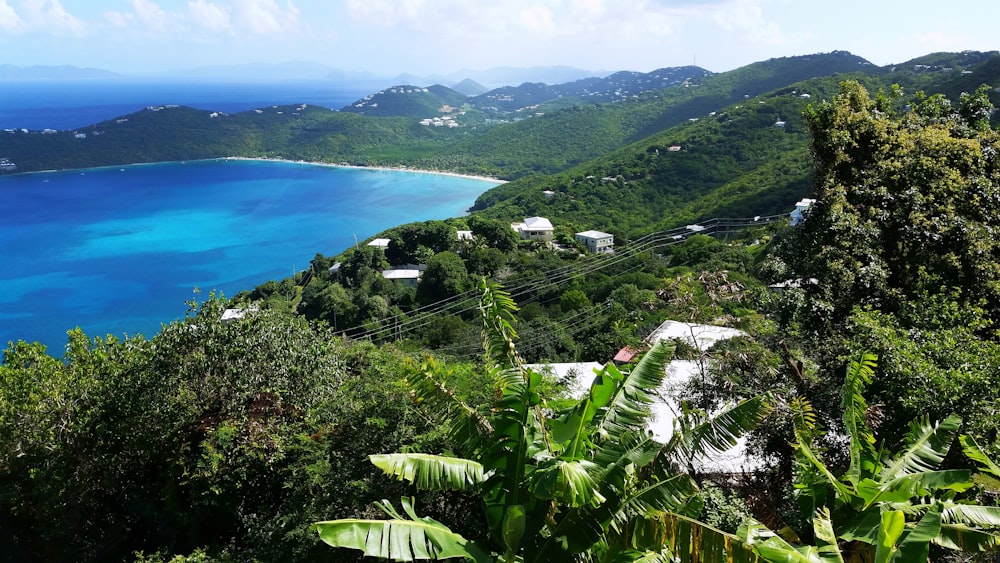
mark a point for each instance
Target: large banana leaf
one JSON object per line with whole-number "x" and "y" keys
{"x": 628, "y": 408}
{"x": 695, "y": 436}
{"x": 989, "y": 476}
{"x": 926, "y": 445}
{"x": 399, "y": 539}
{"x": 466, "y": 426}
{"x": 863, "y": 457}
{"x": 431, "y": 472}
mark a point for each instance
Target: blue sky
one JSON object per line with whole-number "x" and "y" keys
{"x": 389, "y": 37}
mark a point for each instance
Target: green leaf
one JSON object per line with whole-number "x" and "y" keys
{"x": 628, "y": 408}
{"x": 893, "y": 523}
{"x": 697, "y": 436}
{"x": 863, "y": 458}
{"x": 567, "y": 482}
{"x": 926, "y": 445}
{"x": 986, "y": 465}
{"x": 917, "y": 541}
{"x": 826, "y": 539}
{"x": 431, "y": 472}
{"x": 963, "y": 538}
{"x": 399, "y": 540}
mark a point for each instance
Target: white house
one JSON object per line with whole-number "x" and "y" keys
{"x": 534, "y": 228}
{"x": 409, "y": 277}
{"x": 798, "y": 214}
{"x": 665, "y": 410}
{"x": 596, "y": 241}
{"x": 379, "y": 243}
{"x": 234, "y": 314}
{"x": 464, "y": 235}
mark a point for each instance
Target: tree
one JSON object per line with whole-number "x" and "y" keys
{"x": 497, "y": 234}
{"x": 588, "y": 481}
{"x": 444, "y": 277}
{"x": 905, "y": 205}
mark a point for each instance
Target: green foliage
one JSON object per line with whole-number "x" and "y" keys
{"x": 228, "y": 436}
{"x": 886, "y": 506}
{"x": 587, "y": 481}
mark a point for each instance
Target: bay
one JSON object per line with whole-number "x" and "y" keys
{"x": 119, "y": 250}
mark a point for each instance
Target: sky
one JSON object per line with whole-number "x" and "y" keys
{"x": 389, "y": 37}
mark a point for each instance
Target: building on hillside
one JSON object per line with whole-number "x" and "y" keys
{"x": 408, "y": 275}
{"x": 625, "y": 355}
{"x": 464, "y": 235}
{"x": 234, "y": 314}
{"x": 596, "y": 241}
{"x": 534, "y": 228}
{"x": 799, "y": 213}
{"x": 379, "y": 243}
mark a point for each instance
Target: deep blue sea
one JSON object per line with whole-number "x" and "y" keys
{"x": 119, "y": 250}
{"x": 44, "y": 104}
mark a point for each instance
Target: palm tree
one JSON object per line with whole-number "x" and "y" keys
{"x": 584, "y": 484}
{"x": 887, "y": 506}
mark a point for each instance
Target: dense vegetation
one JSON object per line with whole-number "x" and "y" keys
{"x": 224, "y": 441}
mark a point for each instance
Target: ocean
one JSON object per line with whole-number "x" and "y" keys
{"x": 61, "y": 105}
{"x": 120, "y": 250}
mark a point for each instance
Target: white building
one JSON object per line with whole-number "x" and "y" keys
{"x": 596, "y": 241}
{"x": 798, "y": 214}
{"x": 379, "y": 243}
{"x": 409, "y": 277}
{"x": 534, "y": 228}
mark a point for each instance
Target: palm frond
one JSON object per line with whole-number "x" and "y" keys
{"x": 989, "y": 475}
{"x": 567, "y": 482}
{"x": 628, "y": 408}
{"x": 926, "y": 445}
{"x": 863, "y": 457}
{"x": 696, "y": 436}
{"x": 465, "y": 425}
{"x": 399, "y": 539}
{"x": 431, "y": 472}
{"x": 497, "y": 309}
{"x": 963, "y": 538}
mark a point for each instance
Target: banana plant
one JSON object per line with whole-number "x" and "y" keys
{"x": 887, "y": 506}
{"x": 584, "y": 484}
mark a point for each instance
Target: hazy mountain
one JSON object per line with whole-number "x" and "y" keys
{"x": 470, "y": 87}
{"x": 54, "y": 72}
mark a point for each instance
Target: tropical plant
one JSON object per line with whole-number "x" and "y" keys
{"x": 587, "y": 483}
{"x": 887, "y": 506}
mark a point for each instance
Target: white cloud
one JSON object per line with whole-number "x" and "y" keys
{"x": 9, "y": 20}
{"x": 151, "y": 14}
{"x": 118, "y": 19}
{"x": 266, "y": 16}
{"x": 208, "y": 15}
{"x": 51, "y": 17}
{"x": 746, "y": 19}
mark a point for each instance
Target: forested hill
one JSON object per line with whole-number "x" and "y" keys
{"x": 677, "y": 144}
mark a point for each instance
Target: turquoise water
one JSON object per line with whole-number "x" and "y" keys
{"x": 119, "y": 250}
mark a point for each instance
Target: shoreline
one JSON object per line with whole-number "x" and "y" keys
{"x": 362, "y": 167}
{"x": 490, "y": 179}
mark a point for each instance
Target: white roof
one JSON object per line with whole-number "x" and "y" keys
{"x": 666, "y": 410}
{"x": 699, "y": 336}
{"x": 379, "y": 243}
{"x": 231, "y": 314}
{"x": 538, "y": 224}
{"x": 401, "y": 274}
{"x": 464, "y": 235}
{"x": 593, "y": 234}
